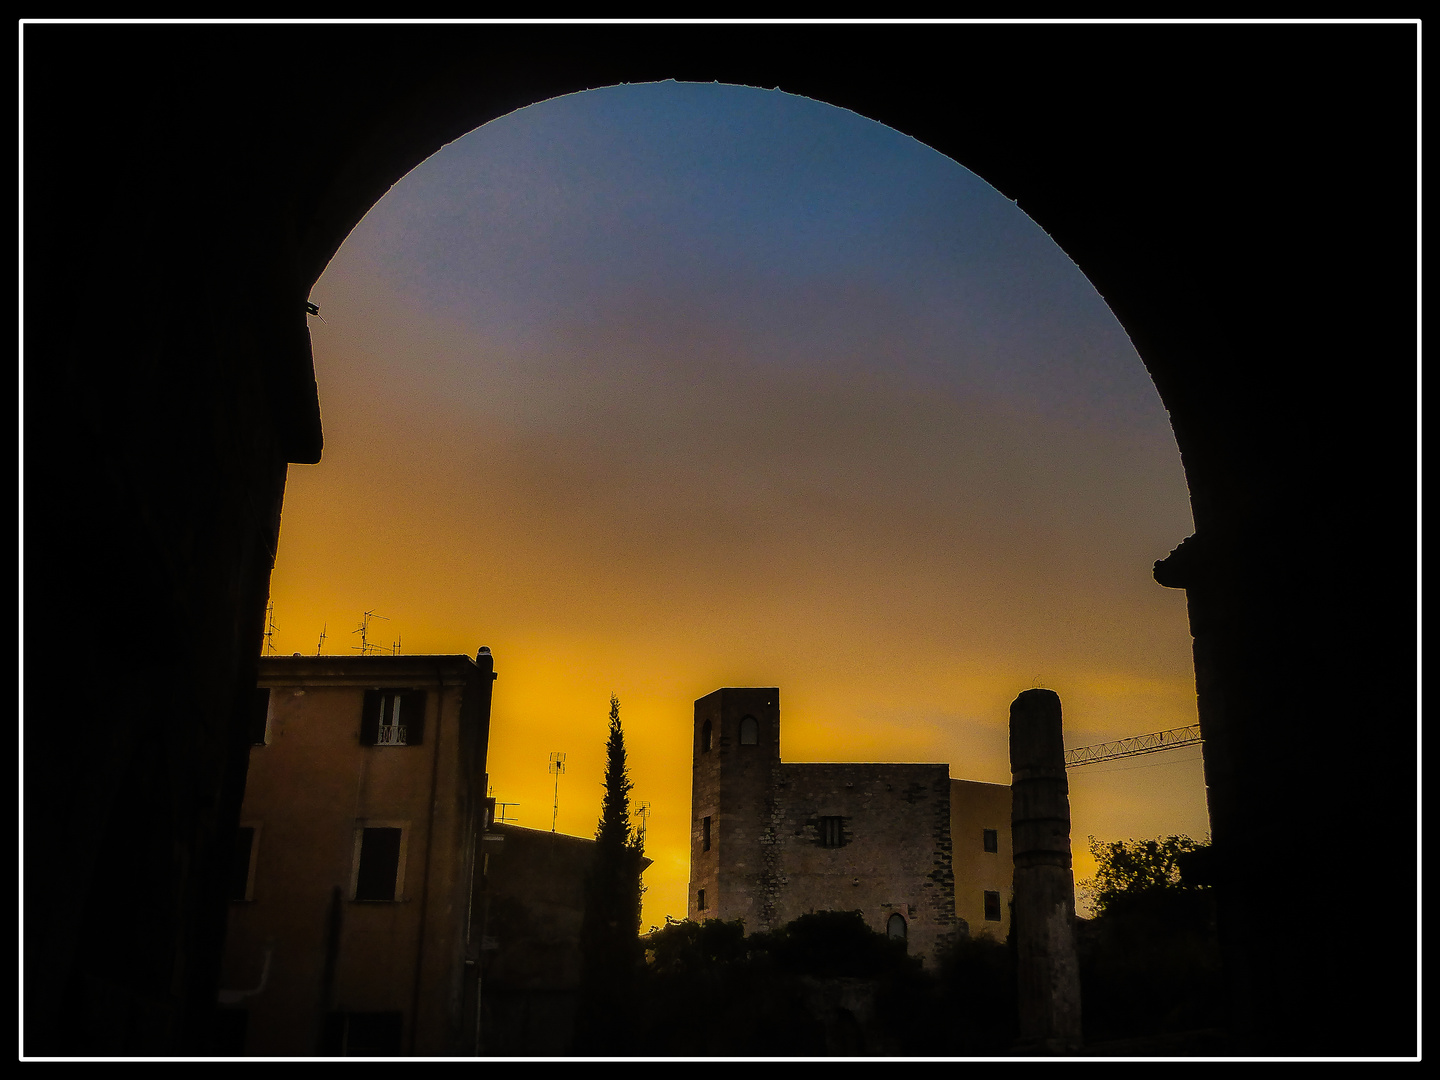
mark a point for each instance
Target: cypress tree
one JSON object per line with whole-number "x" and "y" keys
{"x": 610, "y": 951}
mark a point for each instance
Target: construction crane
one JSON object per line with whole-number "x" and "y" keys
{"x": 1140, "y": 744}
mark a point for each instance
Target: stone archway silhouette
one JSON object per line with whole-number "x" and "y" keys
{"x": 1243, "y": 198}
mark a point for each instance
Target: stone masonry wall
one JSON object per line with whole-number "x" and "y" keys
{"x": 894, "y": 853}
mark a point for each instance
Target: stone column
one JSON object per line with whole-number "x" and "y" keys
{"x": 1044, "y": 920}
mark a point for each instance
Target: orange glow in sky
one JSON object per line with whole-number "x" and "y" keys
{"x": 662, "y": 388}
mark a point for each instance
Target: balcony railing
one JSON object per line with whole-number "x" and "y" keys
{"x": 391, "y": 735}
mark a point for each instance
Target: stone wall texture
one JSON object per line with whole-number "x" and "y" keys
{"x": 786, "y": 839}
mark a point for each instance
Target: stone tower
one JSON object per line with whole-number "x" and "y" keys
{"x": 735, "y": 753}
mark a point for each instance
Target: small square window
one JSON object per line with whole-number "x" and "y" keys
{"x": 992, "y": 906}
{"x": 992, "y": 839}
{"x": 830, "y": 832}
{"x": 705, "y": 834}
{"x": 700, "y": 900}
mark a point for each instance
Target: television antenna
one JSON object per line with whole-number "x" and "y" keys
{"x": 270, "y": 626}
{"x": 365, "y": 647}
{"x": 643, "y": 813}
{"x": 557, "y": 766}
{"x": 321, "y": 643}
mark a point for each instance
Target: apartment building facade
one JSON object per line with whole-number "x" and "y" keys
{"x": 351, "y": 929}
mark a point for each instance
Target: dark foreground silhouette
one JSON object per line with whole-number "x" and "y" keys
{"x": 827, "y": 985}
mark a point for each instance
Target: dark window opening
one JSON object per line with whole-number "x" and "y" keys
{"x": 700, "y": 900}
{"x": 830, "y": 832}
{"x": 705, "y": 737}
{"x": 379, "y": 865}
{"x": 705, "y": 835}
{"x": 992, "y": 839}
{"x": 992, "y": 906}
{"x": 393, "y": 718}
{"x": 259, "y": 715}
{"x": 240, "y": 864}
{"x": 362, "y": 1034}
{"x": 895, "y": 927}
{"x": 749, "y": 731}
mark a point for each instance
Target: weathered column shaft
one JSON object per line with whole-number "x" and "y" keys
{"x": 1044, "y": 920}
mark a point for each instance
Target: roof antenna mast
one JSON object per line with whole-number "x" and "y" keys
{"x": 557, "y": 766}
{"x": 270, "y": 627}
{"x": 364, "y": 629}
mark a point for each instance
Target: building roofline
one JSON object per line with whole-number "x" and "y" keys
{"x": 373, "y": 658}
{"x": 503, "y": 827}
{"x": 870, "y": 764}
{"x": 510, "y": 826}
{"x": 280, "y": 669}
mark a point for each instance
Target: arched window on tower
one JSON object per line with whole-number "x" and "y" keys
{"x": 705, "y": 737}
{"x": 895, "y": 927}
{"x": 749, "y": 731}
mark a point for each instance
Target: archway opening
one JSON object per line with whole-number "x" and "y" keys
{"x": 665, "y": 387}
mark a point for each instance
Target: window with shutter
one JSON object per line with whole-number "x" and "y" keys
{"x": 370, "y": 717}
{"x": 391, "y": 728}
{"x": 412, "y": 716}
{"x": 393, "y": 718}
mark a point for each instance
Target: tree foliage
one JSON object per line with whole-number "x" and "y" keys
{"x": 683, "y": 947}
{"x": 1129, "y": 869}
{"x": 1150, "y": 960}
{"x": 610, "y": 952}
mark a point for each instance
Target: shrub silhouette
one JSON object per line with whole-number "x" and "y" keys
{"x": 712, "y": 991}
{"x": 836, "y": 944}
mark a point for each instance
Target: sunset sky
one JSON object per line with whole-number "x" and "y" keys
{"x": 661, "y": 388}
